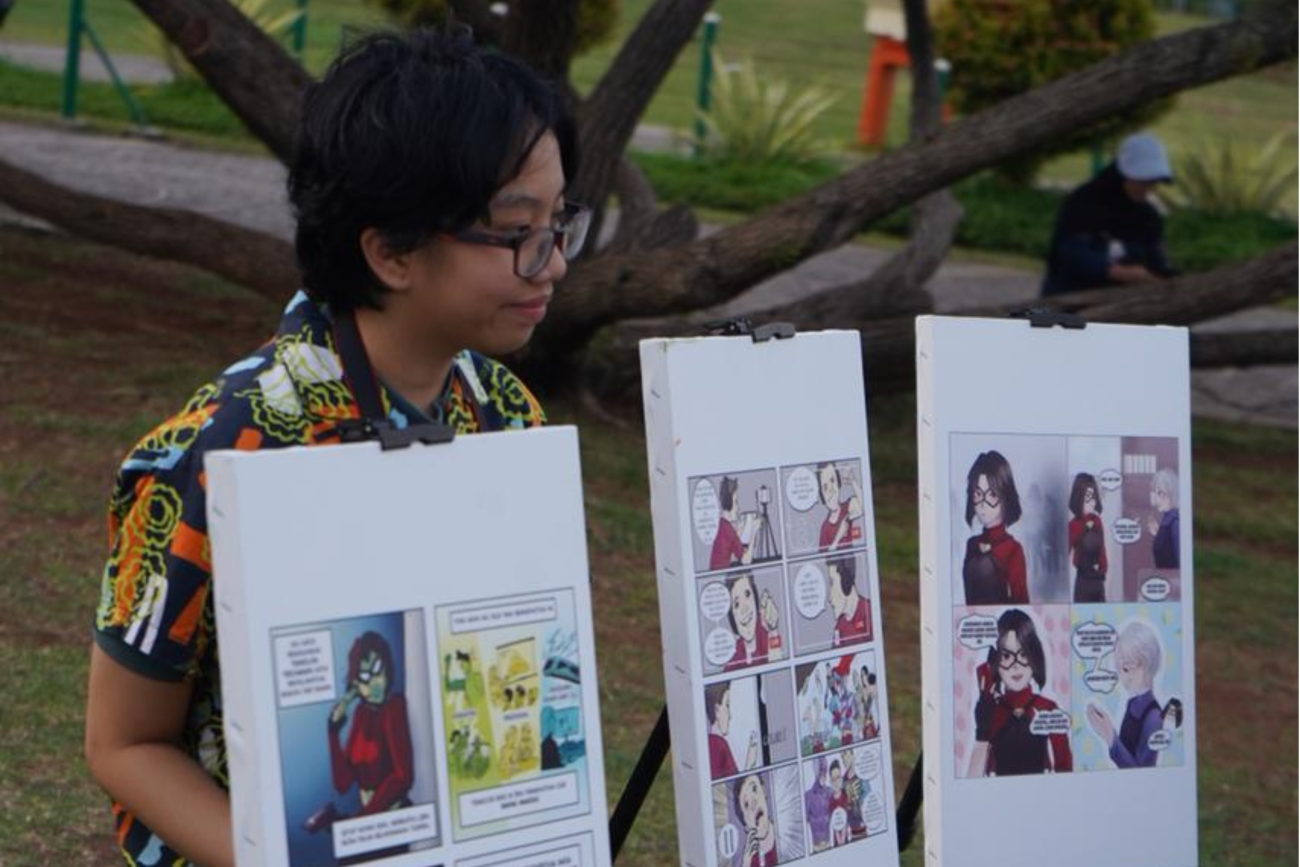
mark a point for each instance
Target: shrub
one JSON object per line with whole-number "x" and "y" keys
{"x": 755, "y": 121}
{"x": 1001, "y": 48}
{"x": 1223, "y": 178}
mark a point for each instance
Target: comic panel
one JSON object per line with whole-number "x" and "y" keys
{"x": 1007, "y": 495}
{"x": 1150, "y": 525}
{"x": 1094, "y": 513}
{"x": 512, "y": 705}
{"x": 844, "y": 796}
{"x": 837, "y": 701}
{"x": 830, "y": 601}
{"x": 1011, "y": 690}
{"x": 578, "y": 851}
{"x": 758, "y": 818}
{"x": 1127, "y": 686}
{"x": 751, "y": 723}
{"x": 822, "y": 505}
{"x": 734, "y": 520}
{"x": 743, "y": 620}
{"x": 356, "y": 738}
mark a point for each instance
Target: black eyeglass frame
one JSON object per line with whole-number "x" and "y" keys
{"x": 576, "y": 218}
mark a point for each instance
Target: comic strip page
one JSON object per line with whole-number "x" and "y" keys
{"x": 1055, "y": 596}
{"x": 410, "y": 702}
{"x": 777, "y": 694}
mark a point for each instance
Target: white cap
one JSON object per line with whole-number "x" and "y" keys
{"x": 1142, "y": 158}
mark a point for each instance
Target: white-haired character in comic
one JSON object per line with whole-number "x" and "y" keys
{"x": 1137, "y": 653}
{"x": 1163, "y": 525}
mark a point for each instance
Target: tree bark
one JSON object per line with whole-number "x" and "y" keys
{"x": 252, "y": 259}
{"x": 717, "y": 268}
{"x": 615, "y": 106}
{"x": 543, "y": 34}
{"x": 251, "y": 72}
{"x": 1244, "y": 348}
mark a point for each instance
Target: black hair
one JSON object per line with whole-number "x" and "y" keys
{"x": 411, "y": 135}
{"x": 1017, "y": 621}
{"x": 838, "y": 483}
{"x": 727, "y": 493}
{"x": 995, "y": 468}
{"x": 848, "y": 572}
{"x": 735, "y": 794}
{"x": 1082, "y": 482}
{"x": 732, "y": 582}
{"x": 714, "y": 693}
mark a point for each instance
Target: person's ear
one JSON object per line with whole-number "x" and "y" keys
{"x": 391, "y": 267}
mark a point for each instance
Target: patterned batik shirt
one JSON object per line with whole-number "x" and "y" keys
{"x": 155, "y": 610}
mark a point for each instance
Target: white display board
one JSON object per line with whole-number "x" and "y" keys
{"x": 1056, "y": 594}
{"x": 407, "y": 654}
{"x": 769, "y": 598}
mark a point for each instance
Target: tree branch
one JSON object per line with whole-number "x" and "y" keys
{"x": 1244, "y": 348}
{"x": 719, "y": 267}
{"x": 252, "y": 259}
{"x": 250, "y": 71}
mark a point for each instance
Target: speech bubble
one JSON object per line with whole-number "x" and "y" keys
{"x": 719, "y": 646}
{"x": 1093, "y": 640}
{"x": 875, "y": 814}
{"x": 1050, "y": 722}
{"x": 866, "y": 761}
{"x": 1101, "y": 680}
{"x": 1156, "y": 589}
{"x": 304, "y": 668}
{"x": 728, "y": 841}
{"x": 1126, "y": 531}
{"x": 977, "y": 631}
{"x": 715, "y": 601}
{"x": 839, "y": 819}
{"x": 1160, "y": 740}
{"x": 810, "y": 591}
{"x": 801, "y": 489}
{"x": 705, "y": 511}
{"x": 1110, "y": 480}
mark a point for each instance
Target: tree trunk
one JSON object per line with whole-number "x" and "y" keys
{"x": 250, "y": 71}
{"x": 543, "y": 34}
{"x": 252, "y": 259}
{"x": 1244, "y": 348}
{"x": 717, "y": 268}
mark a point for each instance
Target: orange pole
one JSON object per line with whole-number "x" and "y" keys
{"x": 888, "y": 55}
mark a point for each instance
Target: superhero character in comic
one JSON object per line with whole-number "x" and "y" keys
{"x": 1087, "y": 540}
{"x": 993, "y": 572}
{"x": 1005, "y": 743}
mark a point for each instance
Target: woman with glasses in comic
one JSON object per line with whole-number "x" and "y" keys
{"x": 754, "y": 621}
{"x": 1005, "y": 743}
{"x": 1137, "y": 653}
{"x": 1163, "y": 526}
{"x": 377, "y": 757}
{"x": 842, "y": 525}
{"x": 1087, "y": 540}
{"x": 993, "y": 572}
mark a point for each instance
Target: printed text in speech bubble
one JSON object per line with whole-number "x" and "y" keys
{"x": 715, "y": 601}
{"x": 705, "y": 511}
{"x": 1093, "y": 640}
{"x": 977, "y": 631}
{"x": 304, "y": 668}
{"x": 810, "y": 591}
{"x": 867, "y": 761}
{"x": 801, "y": 489}
{"x": 1050, "y": 722}
{"x": 1126, "y": 531}
{"x": 1160, "y": 739}
{"x": 1156, "y": 589}
{"x": 719, "y": 646}
{"x": 1110, "y": 480}
{"x": 519, "y": 613}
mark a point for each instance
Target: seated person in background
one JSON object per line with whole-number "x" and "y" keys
{"x": 1107, "y": 232}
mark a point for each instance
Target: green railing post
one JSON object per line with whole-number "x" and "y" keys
{"x": 300, "y": 30}
{"x": 72, "y": 63}
{"x": 711, "y": 22}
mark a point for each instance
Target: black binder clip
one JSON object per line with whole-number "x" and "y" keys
{"x": 1041, "y": 318}
{"x": 742, "y": 325}
{"x": 357, "y": 430}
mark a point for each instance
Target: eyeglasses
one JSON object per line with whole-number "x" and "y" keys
{"x": 989, "y": 498}
{"x": 1007, "y": 658}
{"x": 533, "y": 247}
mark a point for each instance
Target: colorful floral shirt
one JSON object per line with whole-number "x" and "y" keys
{"x": 155, "y": 610}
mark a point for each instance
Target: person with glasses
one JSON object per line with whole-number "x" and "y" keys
{"x": 1137, "y": 655}
{"x": 1087, "y": 540}
{"x": 1005, "y": 742}
{"x": 993, "y": 571}
{"x": 432, "y": 225}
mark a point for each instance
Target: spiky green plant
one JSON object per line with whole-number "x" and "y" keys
{"x": 757, "y": 120}
{"x": 1220, "y": 177}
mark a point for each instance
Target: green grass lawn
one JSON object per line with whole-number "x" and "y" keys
{"x": 806, "y": 42}
{"x": 98, "y": 345}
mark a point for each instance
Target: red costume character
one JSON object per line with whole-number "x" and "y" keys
{"x": 854, "y": 627}
{"x": 994, "y": 569}
{"x": 721, "y": 761}
{"x": 727, "y": 547}
{"x": 742, "y": 657}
